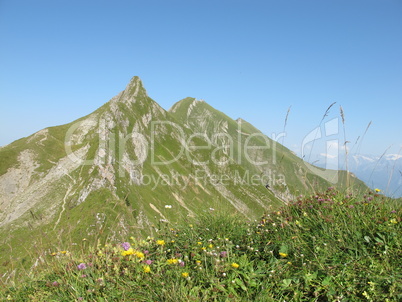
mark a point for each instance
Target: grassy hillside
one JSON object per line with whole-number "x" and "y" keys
{"x": 287, "y": 174}
{"x": 46, "y": 193}
{"x": 129, "y": 166}
{"x": 332, "y": 246}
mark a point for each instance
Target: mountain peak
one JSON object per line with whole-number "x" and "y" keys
{"x": 134, "y": 82}
{"x": 133, "y": 89}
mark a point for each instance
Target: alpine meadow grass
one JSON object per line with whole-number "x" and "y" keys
{"x": 333, "y": 246}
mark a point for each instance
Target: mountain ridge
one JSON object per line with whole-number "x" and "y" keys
{"x": 131, "y": 164}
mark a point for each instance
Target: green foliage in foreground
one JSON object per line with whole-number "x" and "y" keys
{"x": 329, "y": 247}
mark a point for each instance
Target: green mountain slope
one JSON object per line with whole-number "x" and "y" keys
{"x": 130, "y": 165}
{"x": 286, "y": 174}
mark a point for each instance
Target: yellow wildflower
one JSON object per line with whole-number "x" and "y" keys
{"x": 198, "y": 262}
{"x": 185, "y": 275}
{"x": 210, "y": 246}
{"x": 146, "y": 269}
{"x": 199, "y": 242}
{"x": 377, "y": 190}
{"x": 160, "y": 242}
{"x": 130, "y": 251}
{"x": 235, "y": 265}
{"x": 393, "y": 220}
{"x": 63, "y": 252}
{"x": 172, "y": 261}
{"x": 283, "y": 255}
{"x": 140, "y": 255}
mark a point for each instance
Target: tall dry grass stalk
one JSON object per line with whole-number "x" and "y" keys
{"x": 392, "y": 172}
{"x": 361, "y": 139}
{"x": 284, "y": 129}
{"x": 346, "y": 147}
{"x": 376, "y": 164}
{"x": 286, "y": 122}
{"x": 319, "y": 126}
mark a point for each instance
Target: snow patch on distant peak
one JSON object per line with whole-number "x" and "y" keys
{"x": 331, "y": 156}
{"x": 393, "y": 156}
{"x": 366, "y": 158}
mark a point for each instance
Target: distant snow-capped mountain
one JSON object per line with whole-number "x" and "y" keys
{"x": 382, "y": 172}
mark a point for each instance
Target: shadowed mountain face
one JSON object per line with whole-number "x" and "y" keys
{"x": 131, "y": 164}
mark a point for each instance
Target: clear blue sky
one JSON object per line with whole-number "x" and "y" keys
{"x": 62, "y": 59}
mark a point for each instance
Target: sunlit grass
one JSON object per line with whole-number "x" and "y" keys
{"x": 326, "y": 247}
